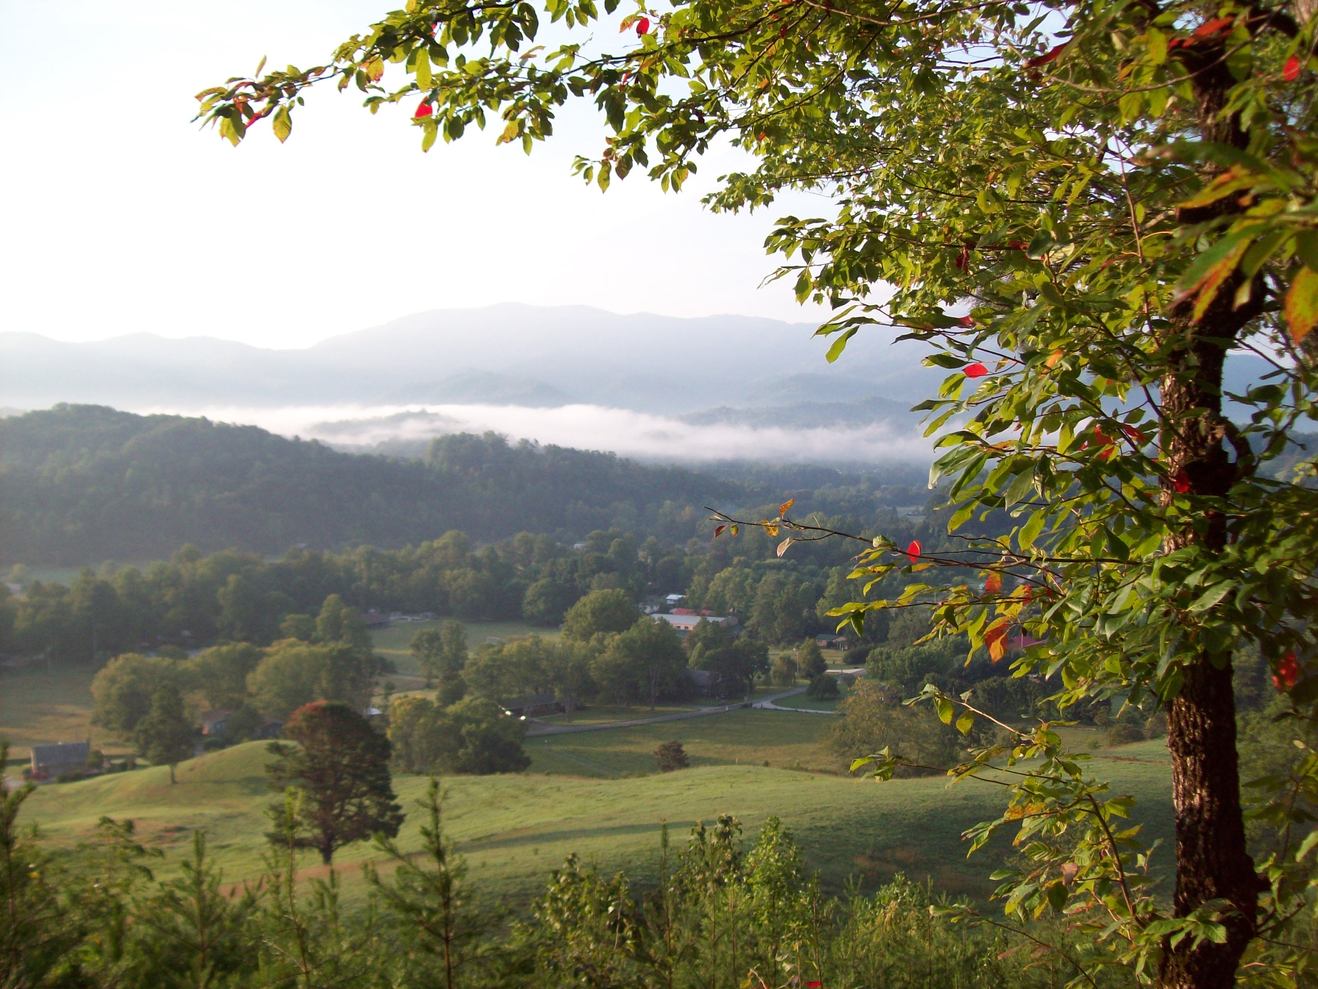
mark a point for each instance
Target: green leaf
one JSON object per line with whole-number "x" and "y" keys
{"x": 282, "y": 123}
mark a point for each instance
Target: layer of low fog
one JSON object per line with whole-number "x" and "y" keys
{"x": 638, "y": 435}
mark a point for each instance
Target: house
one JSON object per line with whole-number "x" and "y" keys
{"x": 532, "y": 705}
{"x": 61, "y": 759}
{"x": 215, "y": 723}
{"x": 672, "y": 600}
{"x": 831, "y": 641}
{"x": 684, "y": 620}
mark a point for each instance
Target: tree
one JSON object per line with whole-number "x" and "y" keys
{"x": 810, "y": 659}
{"x": 432, "y": 898}
{"x": 670, "y": 756}
{"x": 823, "y": 688}
{"x": 221, "y": 672}
{"x": 122, "y": 690}
{"x": 1082, "y": 209}
{"x": 166, "y": 736}
{"x": 646, "y": 662}
{"x": 472, "y": 736}
{"x": 442, "y": 654}
{"x": 599, "y": 611}
{"x": 340, "y": 765}
{"x": 293, "y": 673}
{"x": 337, "y": 622}
{"x": 785, "y": 670}
{"x": 873, "y": 718}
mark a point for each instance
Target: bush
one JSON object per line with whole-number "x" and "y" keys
{"x": 1123, "y": 733}
{"x": 670, "y": 756}
{"x": 823, "y": 688}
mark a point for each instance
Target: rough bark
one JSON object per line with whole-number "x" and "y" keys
{"x": 1212, "y": 861}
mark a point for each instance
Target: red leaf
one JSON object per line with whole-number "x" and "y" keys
{"x": 993, "y": 583}
{"x": 914, "y": 550}
{"x": 424, "y": 109}
{"x": 963, "y": 259}
{"x": 1291, "y": 71}
{"x": 1181, "y": 482}
{"x": 718, "y": 530}
{"x": 967, "y": 321}
{"x": 1136, "y": 436}
{"x": 643, "y": 26}
{"x": 1288, "y": 672}
{"x": 976, "y": 370}
{"x": 814, "y": 984}
{"x": 1214, "y": 27}
{"x": 1044, "y": 59}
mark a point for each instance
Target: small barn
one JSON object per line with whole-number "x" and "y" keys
{"x": 50, "y": 762}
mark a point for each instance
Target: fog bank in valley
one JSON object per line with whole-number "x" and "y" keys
{"x": 640, "y": 435}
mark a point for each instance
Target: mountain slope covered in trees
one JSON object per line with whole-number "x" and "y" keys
{"x": 87, "y": 483}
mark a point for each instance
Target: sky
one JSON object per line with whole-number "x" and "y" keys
{"x": 123, "y": 217}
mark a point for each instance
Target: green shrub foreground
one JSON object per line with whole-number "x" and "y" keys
{"x": 719, "y": 915}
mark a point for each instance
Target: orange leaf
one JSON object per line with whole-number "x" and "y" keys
{"x": 995, "y": 638}
{"x": 1053, "y": 358}
{"x": 1301, "y": 306}
{"x": 782, "y": 509}
{"x": 993, "y": 583}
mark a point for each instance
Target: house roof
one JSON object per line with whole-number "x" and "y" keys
{"x": 61, "y": 754}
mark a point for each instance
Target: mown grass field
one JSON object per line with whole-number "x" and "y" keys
{"x": 38, "y": 706}
{"x": 596, "y": 794}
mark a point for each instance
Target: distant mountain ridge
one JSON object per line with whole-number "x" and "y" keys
{"x": 505, "y": 354}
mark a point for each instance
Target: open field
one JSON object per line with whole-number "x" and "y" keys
{"x": 514, "y": 829}
{"x": 739, "y": 738}
{"x": 37, "y": 707}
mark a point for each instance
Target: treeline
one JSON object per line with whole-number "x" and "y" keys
{"x": 84, "y": 483}
{"x": 720, "y": 914}
{"x": 194, "y": 599}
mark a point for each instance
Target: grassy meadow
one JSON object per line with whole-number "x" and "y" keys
{"x": 597, "y": 794}
{"x": 38, "y": 706}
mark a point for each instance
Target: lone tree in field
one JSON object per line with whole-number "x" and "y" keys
{"x": 165, "y": 736}
{"x": 670, "y": 756}
{"x": 1082, "y": 208}
{"x": 341, "y": 765}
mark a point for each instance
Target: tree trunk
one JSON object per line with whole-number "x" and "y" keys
{"x": 172, "y": 780}
{"x": 327, "y": 854}
{"x": 1211, "y": 857}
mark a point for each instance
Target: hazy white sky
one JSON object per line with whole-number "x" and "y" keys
{"x": 121, "y": 216}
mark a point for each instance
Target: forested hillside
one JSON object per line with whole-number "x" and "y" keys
{"x": 87, "y": 483}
